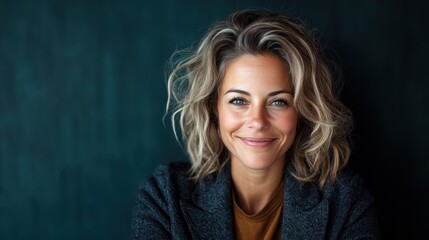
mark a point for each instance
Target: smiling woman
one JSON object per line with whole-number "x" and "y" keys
{"x": 267, "y": 140}
{"x": 257, "y": 124}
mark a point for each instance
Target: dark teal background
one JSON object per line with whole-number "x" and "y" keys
{"x": 82, "y": 94}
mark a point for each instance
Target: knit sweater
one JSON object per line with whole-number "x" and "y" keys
{"x": 170, "y": 205}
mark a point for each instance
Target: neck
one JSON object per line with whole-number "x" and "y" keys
{"x": 255, "y": 188}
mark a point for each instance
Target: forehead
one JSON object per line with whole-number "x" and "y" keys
{"x": 266, "y": 71}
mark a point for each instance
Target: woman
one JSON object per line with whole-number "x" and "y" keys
{"x": 267, "y": 140}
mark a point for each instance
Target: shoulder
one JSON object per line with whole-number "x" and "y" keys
{"x": 171, "y": 170}
{"x": 158, "y": 201}
{"x": 349, "y": 185}
{"x": 353, "y": 206}
{"x": 170, "y": 179}
{"x": 349, "y": 190}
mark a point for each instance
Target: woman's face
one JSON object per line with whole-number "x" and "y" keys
{"x": 257, "y": 119}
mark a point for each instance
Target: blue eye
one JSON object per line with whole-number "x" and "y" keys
{"x": 237, "y": 101}
{"x": 279, "y": 103}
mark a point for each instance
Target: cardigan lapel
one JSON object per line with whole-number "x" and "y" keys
{"x": 209, "y": 213}
{"x": 305, "y": 213}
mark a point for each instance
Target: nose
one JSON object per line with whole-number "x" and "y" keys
{"x": 258, "y": 118}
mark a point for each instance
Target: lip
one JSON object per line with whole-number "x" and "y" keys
{"x": 257, "y": 142}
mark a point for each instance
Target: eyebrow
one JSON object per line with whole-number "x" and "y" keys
{"x": 248, "y": 94}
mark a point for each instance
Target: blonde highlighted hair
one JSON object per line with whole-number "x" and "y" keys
{"x": 321, "y": 147}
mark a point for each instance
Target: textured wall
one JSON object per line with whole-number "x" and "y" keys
{"x": 82, "y": 92}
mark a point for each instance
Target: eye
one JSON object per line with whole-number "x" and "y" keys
{"x": 237, "y": 101}
{"x": 280, "y": 103}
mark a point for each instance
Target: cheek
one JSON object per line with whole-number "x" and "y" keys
{"x": 287, "y": 124}
{"x": 229, "y": 121}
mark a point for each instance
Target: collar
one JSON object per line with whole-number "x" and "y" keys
{"x": 305, "y": 211}
{"x": 209, "y": 211}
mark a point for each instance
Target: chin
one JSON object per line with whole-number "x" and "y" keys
{"x": 260, "y": 163}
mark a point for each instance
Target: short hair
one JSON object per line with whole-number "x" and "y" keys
{"x": 320, "y": 149}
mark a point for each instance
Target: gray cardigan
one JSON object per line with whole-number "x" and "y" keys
{"x": 171, "y": 206}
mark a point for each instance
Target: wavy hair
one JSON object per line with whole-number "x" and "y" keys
{"x": 321, "y": 148}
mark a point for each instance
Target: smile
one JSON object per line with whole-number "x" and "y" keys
{"x": 257, "y": 142}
